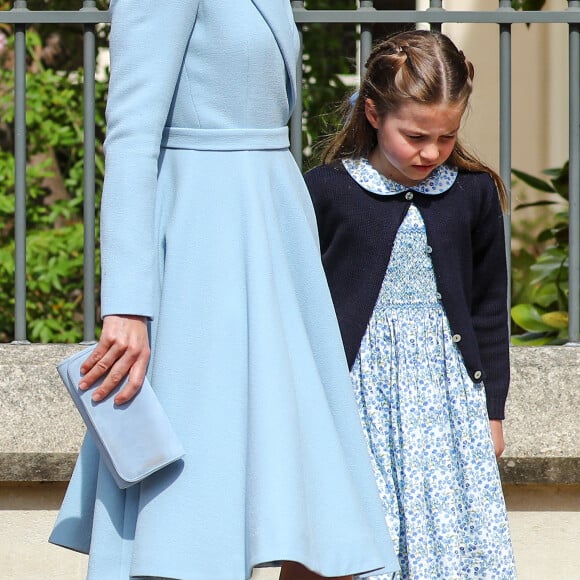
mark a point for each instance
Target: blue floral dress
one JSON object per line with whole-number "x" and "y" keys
{"x": 424, "y": 419}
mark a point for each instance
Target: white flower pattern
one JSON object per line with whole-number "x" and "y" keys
{"x": 426, "y": 424}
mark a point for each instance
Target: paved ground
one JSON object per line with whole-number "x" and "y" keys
{"x": 266, "y": 574}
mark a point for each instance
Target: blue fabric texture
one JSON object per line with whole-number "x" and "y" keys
{"x": 208, "y": 229}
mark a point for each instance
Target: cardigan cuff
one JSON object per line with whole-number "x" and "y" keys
{"x": 496, "y": 408}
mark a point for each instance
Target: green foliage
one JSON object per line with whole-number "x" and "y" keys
{"x": 54, "y": 218}
{"x": 54, "y": 282}
{"x": 329, "y": 53}
{"x": 540, "y": 284}
{"x": 528, "y": 4}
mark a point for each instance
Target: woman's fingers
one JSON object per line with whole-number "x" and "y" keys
{"x": 136, "y": 376}
{"x": 99, "y": 363}
{"x": 123, "y": 352}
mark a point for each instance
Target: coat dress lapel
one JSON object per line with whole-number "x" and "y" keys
{"x": 278, "y": 15}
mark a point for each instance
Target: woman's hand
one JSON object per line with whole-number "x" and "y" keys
{"x": 496, "y": 427}
{"x": 123, "y": 349}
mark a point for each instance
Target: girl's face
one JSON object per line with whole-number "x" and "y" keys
{"x": 414, "y": 140}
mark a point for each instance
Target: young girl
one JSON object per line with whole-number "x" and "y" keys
{"x": 412, "y": 241}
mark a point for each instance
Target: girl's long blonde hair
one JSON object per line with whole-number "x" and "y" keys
{"x": 420, "y": 66}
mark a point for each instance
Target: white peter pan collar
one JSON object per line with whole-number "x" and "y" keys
{"x": 360, "y": 169}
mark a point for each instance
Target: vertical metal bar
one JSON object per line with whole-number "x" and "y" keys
{"x": 366, "y": 36}
{"x": 20, "y": 178}
{"x": 435, "y": 5}
{"x": 574, "y": 183}
{"x": 89, "y": 61}
{"x": 505, "y": 126}
{"x": 296, "y": 119}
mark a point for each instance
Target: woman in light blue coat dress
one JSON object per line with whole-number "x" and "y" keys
{"x": 211, "y": 265}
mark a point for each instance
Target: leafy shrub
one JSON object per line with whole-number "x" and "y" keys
{"x": 54, "y": 218}
{"x": 329, "y": 51}
{"x": 540, "y": 283}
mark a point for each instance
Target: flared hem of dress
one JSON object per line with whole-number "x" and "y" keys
{"x": 256, "y": 386}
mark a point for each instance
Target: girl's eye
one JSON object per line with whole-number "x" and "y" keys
{"x": 422, "y": 137}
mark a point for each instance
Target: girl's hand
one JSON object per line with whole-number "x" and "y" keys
{"x": 496, "y": 427}
{"x": 123, "y": 349}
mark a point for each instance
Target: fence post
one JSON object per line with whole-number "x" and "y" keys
{"x": 89, "y": 260}
{"x": 366, "y": 36}
{"x": 438, "y": 6}
{"x": 574, "y": 183}
{"x": 505, "y": 126}
{"x": 296, "y": 120}
{"x": 20, "y": 178}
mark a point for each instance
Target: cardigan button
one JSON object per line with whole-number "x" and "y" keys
{"x": 428, "y": 249}
{"x": 438, "y": 295}
{"x": 477, "y": 375}
{"x": 409, "y": 196}
{"x": 456, "y": 338}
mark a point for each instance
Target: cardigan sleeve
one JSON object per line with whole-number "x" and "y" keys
{"x": 489, "y": 298}
{"x": 317, "y": 184}
{"x": 148, "y": 42}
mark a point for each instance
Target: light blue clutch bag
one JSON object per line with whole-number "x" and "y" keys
{"x": 135, "y": 439}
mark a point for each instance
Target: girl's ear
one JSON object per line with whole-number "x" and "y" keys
{"x": 371, "y": 113}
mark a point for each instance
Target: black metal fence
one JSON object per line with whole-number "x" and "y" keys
{"x": 364, "y": 16}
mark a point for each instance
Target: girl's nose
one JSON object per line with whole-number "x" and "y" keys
{"x": 430, "y": 153}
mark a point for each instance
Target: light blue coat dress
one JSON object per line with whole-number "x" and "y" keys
{"x": 207, "y": 229}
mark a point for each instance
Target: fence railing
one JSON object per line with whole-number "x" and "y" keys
{"x": 364, "y": 16}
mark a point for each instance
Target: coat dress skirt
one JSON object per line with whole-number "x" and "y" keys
{"x": 208, "y": 230}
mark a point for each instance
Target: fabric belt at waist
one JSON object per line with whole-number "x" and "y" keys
{"x": 225, "y": 139}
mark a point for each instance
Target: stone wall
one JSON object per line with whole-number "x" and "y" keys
{"x": 40, "y": 433}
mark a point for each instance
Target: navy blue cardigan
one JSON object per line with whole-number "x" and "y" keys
{"x": 465, "y": 231}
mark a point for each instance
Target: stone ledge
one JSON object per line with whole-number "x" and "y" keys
{"x": 58, "y": 467}
{"x": 41, "y": 430}
{"x": 36, "y": 467}
{"x": 540, "y": 470}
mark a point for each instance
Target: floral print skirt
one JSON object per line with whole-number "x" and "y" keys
{"x": 427, "y": 430}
